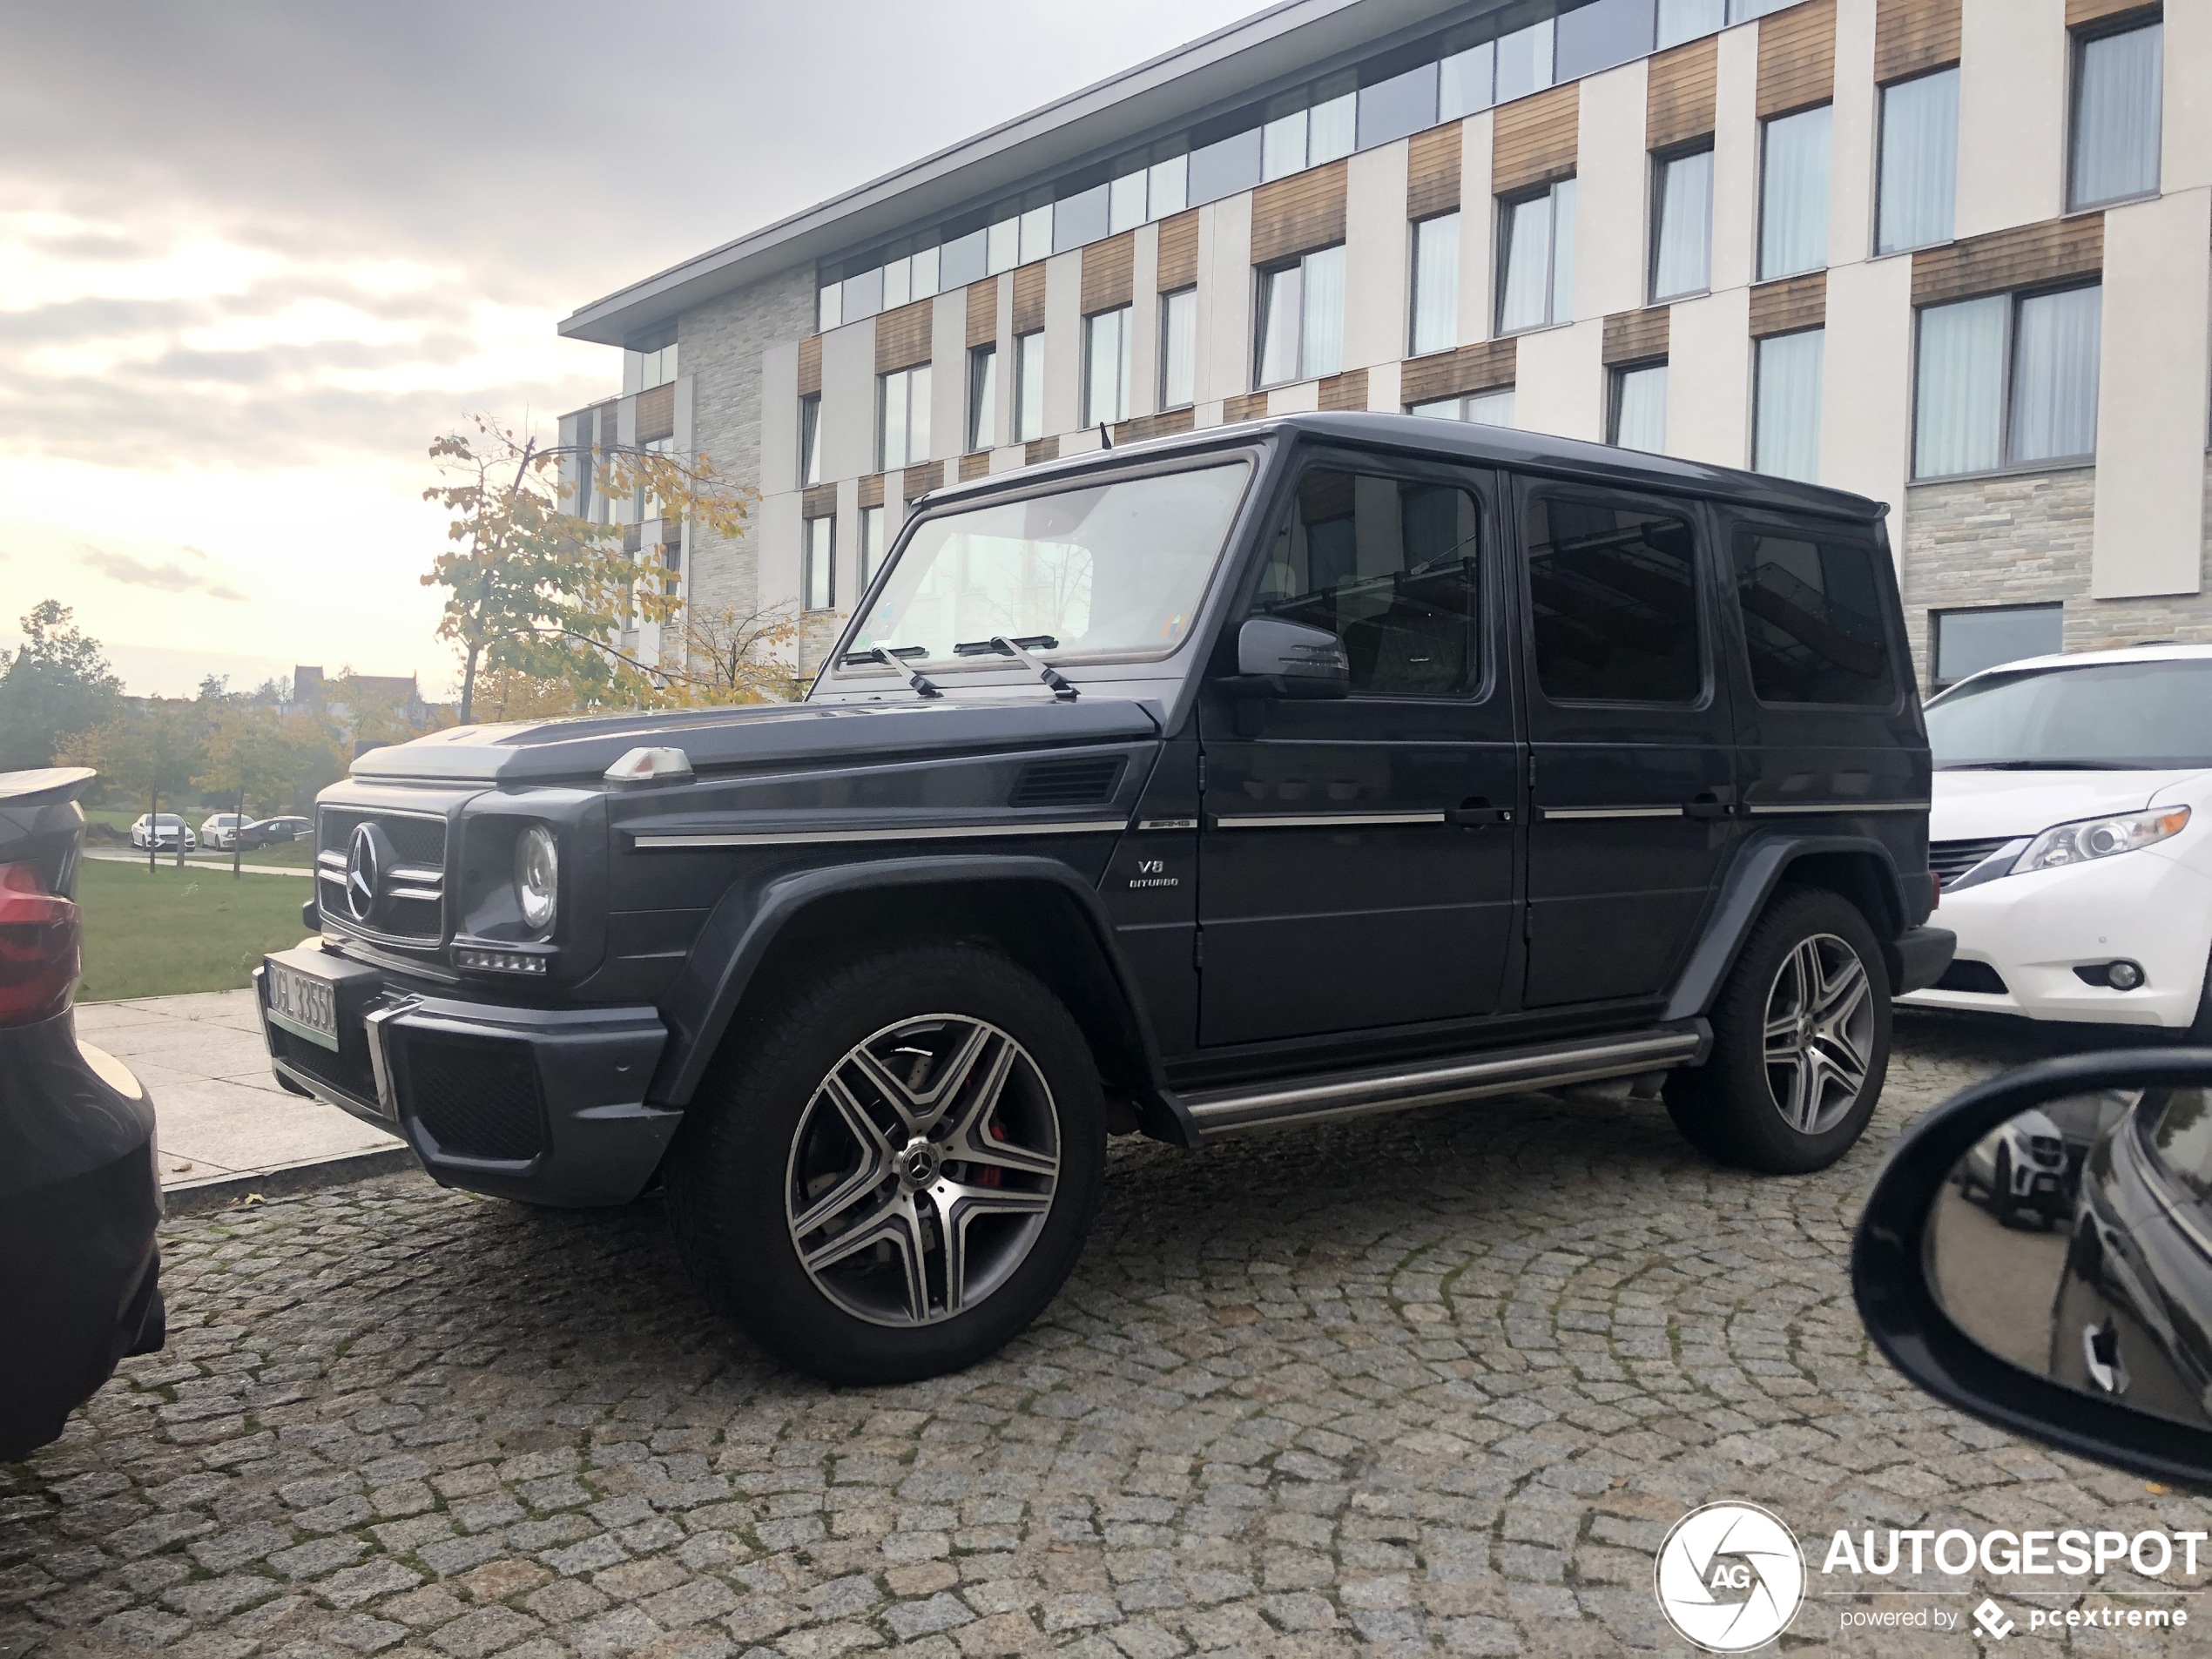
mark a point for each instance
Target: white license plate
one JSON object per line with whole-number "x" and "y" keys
{"x": 304, "y": 1005}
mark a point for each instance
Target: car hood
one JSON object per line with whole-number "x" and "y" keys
{"x": 1983, "y": 806}
{"x": 762, "y": 734}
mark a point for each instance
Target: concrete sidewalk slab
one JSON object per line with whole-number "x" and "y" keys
{"x": 110, "y": 855}
{"x": 227, "y": 1127}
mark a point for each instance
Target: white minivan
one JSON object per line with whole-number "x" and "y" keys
{"x": 2072, "y": 832}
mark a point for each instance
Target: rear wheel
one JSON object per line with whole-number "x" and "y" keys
{"x": 895, "y": 1174}
{"x": 1801, "y": 1042}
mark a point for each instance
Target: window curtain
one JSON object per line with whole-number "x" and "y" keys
{"x": 1793, "y": 220}
{"x": 1436, "y": 284}
{"x": 2116, "y": 115}
{"x": 1324, "y": 305}
{"x": 1102, "y": 363}
{"x": 1028, "y": 391}
{"x": 1684, "y": 265}
{"x": 1641, "y": 420}
{"x": 1681, "y": 20}
{"x": 1281, "y": 291}
{"x": 918, "y": 415}
{"x": 1789, "y": 405}
{"x": 1920, "y": 161}
{"x": 1562, "y": 250}
{"x": 1528, "y": 236}
{"x": 1959, "y": 410}
{"x": 1490, "y": 409}
{"x": 983, "y": 398}
{"x": 891, "y": 436}
{"x": 2055, "y": 376}
{"x": 1178, "y": 376}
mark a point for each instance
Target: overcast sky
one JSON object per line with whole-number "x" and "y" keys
{"x": 253, "y": 257}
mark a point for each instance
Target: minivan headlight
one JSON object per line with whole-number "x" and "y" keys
{"x": 537, "y": 877}
{"x": 2100, "y": 837}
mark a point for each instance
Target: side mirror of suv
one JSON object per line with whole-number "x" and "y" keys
{"x": 2035, "y": 1252}
{"x": 1277, "y": 658}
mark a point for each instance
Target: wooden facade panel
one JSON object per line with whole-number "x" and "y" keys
{"x": 810, "y": 365}
{"x": 1785, "y": 307}
{"x": 1163, "y": 425}
{"x": 902, "y": 336}
{"x": 657, "y": 413}
{"x": 983, "y": 312}
{"x": 1109, "y": 272}
{"x": 1040, "y": 449}
{"x": 1344, "y": 391}
{"x": 1637, "y": 336}
{"x": 2021, "y": 258}
{"x": 1178, "y": 252}
{"x": 1298, "y": 214}
{"x": 1535, "y": 140}
{"x": 1028, "y": 298}
{"x": 820, "y": 501}
{"x": 872, "y": 490}
{"x": 977, "y": 465}
{"x": 1483, "y": 368}
{"x": 1912, "y": 36}
{"x": 1249, "y": 405}
{"x": 1433, "y": 172}
{"x": 1684, "y": 89}
{"x": 920, "y": 481}
{"x": 1798, "y": 57}
{"x": 2078, "y": 12}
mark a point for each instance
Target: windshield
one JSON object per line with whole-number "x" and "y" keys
{"x": 1114, "y": 569}
{"x": 2111, "y": 717}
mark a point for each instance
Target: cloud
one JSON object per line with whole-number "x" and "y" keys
{"x": 172, "y": 577}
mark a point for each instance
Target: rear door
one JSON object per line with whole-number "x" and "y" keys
{"x": 1631, "y": 742}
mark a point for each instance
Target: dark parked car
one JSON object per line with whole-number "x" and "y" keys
{"x": 1272, "y": 774}
{"x": 80, "y": 1193}
{"x": 277, "y": 831}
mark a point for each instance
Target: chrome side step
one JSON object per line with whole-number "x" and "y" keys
{"x": 1217, "y": 1112}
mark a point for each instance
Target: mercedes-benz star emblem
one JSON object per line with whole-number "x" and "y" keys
{"x": 366, "y": 861}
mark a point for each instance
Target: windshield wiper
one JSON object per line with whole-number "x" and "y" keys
{"x": 891, "y": 657}
{"x": 2048, "y": 766}
{"x": 1000, "y": 645}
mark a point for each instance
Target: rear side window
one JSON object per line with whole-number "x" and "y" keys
{"x": 2181, "y": 1138}
{"x": 1615, "y": 595}
{"x": 1812, "y": 620}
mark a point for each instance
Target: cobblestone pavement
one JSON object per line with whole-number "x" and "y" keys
{"x": 1431, "y": 1382}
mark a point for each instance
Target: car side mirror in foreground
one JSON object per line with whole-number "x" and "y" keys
{"x": 2039, "y": 1253}
{"x": 1278, "y": 658}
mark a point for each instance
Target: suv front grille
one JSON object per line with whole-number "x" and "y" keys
{"x": 414, "y": 897}
{"x": 1950, "y": 860}
{"x": 478, "y": 1099}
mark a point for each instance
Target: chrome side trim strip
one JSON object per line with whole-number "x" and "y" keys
{"x": 1769, "y": 809}
{"x": 1322, "y": 820}
{"x": 824, "y": 838}
{"x": 1585, "y": 814}
{"x": 1220, "y": 1112}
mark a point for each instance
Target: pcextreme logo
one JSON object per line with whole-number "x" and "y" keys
{"x": 1730, "y": 1577}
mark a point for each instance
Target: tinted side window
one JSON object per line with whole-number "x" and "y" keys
{"x": 1390, "y": 566}
{"x": 2181, "y": 1138}
{"x": 1616, "y": 603}
{"x": 1812, "y": 620}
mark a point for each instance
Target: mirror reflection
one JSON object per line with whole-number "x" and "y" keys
{"x": 2075, "y": 1240}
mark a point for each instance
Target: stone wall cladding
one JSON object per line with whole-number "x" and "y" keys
{"x": 722, "y": 342}
{"x": 2026, "y": 539}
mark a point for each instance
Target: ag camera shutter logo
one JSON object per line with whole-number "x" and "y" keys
{"x": 1730, "y": 1577}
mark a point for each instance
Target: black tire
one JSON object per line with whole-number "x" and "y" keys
{"x": 739, "y": 1183}
{"x": 1728, "y": 1108}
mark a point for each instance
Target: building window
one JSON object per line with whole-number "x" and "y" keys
{"x": 1966, "y": 642}
{"x": 1436, "y": 284}
{"x": 2010, "y": 380}
{"x": 1178, "y": 348}
{"x": 818, "y": 557}
{"x": 1793, "y": 204}
{"x": 1524, "y": 61}
{"x": 1301, "y": 319}
{"x": 982, "y": 397}
{"x": 1639, "y": 413}
{"x": 875, "y": 530}
{"x": 1812, "y": 620}
{"x": 1109, "y": 344}
{"x": 1028, "y": 387}
{"x": 810, "y": 439}
{"x": 1493, "y": 408}
{"x": 1681, "y": 20}
{"x": 1682, "y": 228}
{"x": 1786, "y": 440}
{"x": 2119, "y": 83}
{"x": 902, "y": 418}
{"x": 1919, "y": 162}
{"x": 655, "y": 367}
{"x": 1536, "y": 259}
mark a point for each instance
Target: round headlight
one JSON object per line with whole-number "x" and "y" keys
{"x": 537, "y": 877}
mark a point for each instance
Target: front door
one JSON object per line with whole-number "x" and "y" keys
{"x": 1357, "y": 857}
{"x": 1631, "y": 745}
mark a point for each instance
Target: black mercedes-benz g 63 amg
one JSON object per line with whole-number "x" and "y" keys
{"x": 1270, "y": 774}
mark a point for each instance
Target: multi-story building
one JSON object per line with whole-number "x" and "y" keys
{"x": 1953, "y": 255}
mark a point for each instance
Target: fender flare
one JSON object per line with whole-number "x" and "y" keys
{"x": 1758, "y": 869}
{"x": 752, "y": 915}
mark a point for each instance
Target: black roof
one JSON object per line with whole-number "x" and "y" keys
{"x": 1466, "y": 440}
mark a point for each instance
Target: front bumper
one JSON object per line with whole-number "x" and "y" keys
{"x": 542, "y": 1104}
{"x": 2034, "y": 930}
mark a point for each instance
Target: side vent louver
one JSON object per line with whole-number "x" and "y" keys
{"x": 1068, "y": 783}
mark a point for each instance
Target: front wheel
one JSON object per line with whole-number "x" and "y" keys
{"x": 894, "y": 1172}
{"x": 1801, "y": 1042}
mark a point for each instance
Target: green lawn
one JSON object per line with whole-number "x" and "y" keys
{"x": 193, "y": 929}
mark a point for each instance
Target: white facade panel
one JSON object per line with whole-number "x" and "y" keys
{"x": 1478, "y": 226}
{"x": 2187, "y": 162}
{"x": 1852, "y": 136}
{"x": 1560, "y": 381}
{"x": 1225, "y": 297}
{"x": 1063, "y": 342}
{"x": 1866, "y": 384}
{"x": 948, "y": 374}
{"x": 848, "y": 400}
{"x": 1610, "y": 191}
{"x": 780, "y": 417}
{"x": 777, "y": 528}
{"x": 1735, "y": 158}
{"x": 1375, "y": 240}
{"x": 2012, "y": 113}
{"x": 1709, "y": 379}
{"x": 1144, "y": 282}
{"x": 1384, "y": 380}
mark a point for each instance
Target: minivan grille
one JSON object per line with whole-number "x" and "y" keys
{"x": 414, "y": 902}
{"x": 1950, "y": 860}
{"x": 1068, "y": 783}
